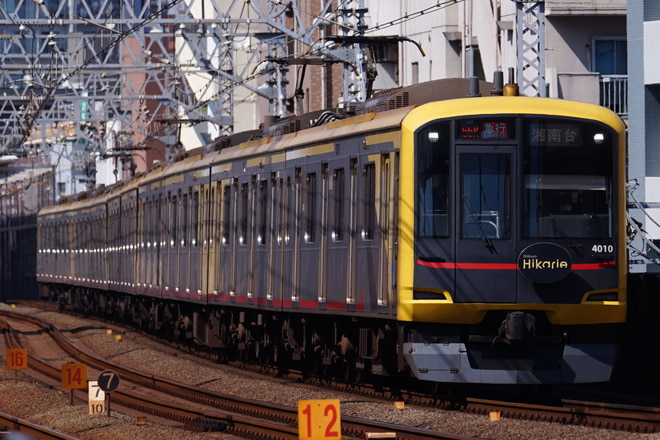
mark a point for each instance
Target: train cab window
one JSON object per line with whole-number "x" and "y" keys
{"x": 568, "y": 170}
{"x": 432, "y": 144}
{"x": 485, "y": 193}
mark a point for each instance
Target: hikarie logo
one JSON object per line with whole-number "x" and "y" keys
{"x": 544, "y": 263}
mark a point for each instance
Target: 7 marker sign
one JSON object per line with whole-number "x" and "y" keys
{"x": 319, "y": 420}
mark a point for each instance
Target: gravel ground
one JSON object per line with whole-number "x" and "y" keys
{"x": 25, "y": 398}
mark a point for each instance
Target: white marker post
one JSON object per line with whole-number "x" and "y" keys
{"x": 96, "y": 398}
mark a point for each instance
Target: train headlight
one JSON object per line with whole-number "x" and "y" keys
{"x": 599, "y": 138}
{"x": 434, "y": 136}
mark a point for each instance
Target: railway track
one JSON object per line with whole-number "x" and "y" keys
{"x": 212, "y": 410}
{"x": 9, "y": 423}
{"x": 600, "y": 415}
{"x": 632, "y": 418}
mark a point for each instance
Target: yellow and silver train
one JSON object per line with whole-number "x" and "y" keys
{"x": 453, "y": 239}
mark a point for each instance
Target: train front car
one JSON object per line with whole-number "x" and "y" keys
{"x": 512, "y": 254}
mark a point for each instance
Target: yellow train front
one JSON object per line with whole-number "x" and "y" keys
{"x": 512, "y": 251}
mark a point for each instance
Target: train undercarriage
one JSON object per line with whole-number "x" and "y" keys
{"x": 328, "y": 347}
{"x": 352, "y": 349}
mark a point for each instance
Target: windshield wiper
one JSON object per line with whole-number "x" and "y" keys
{"x": 487, "y": 241}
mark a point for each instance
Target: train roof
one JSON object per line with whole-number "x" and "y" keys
{"x": 384, "y": 111}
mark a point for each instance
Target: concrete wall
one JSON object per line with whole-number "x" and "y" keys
{"x": 651, "y": 51}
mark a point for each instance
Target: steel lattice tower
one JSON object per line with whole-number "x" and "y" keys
{"x": 141, "y": 68}
{"x": 530, "y": 46}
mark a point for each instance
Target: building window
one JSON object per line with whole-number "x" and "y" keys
{"x": 610, "y": 56}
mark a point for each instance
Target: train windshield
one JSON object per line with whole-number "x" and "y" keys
{"x": 567, "y": 178}
{"x": 433, "y": 152}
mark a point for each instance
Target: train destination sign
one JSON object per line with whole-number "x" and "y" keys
{"x": 544, "y": 263}
{"x": 555, "y": 135}
{"x": 488, "y": 129}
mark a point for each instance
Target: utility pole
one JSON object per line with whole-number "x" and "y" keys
{"x": 356, "y": 72}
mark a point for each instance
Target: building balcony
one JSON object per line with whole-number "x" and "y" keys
{"x": 614, "y": 93}
{"x": 610, "y": 91}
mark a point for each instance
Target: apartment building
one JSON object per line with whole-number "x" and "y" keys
{"x": 583, "y": 42}
{"x": 644, "y": 130}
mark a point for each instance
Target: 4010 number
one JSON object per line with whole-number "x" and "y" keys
{"x": 602, "y": 249}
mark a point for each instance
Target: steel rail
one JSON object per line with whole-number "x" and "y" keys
{"x": 253, "y": 418}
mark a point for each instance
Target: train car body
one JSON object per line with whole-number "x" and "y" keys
{"x": 474, "y": 240}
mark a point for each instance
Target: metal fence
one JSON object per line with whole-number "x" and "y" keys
{"x": 614, "y": 93}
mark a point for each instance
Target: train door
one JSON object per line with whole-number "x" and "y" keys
{"x": 385, "y": 225}
{"x": 227, "y": 272}
{"x": 195, "y": 273}
{"x": 322, "y": 277}
{"x": 336, "y": 246}
{"x": 484, "y": 245}
{"x": 308, "y": 242}
{"x": 183, "y": 243}
{"x": 173, "y": 249}
{"x": 280, "y": 284}
{"x": 243, "y": 243}
{"x": 162, "y": 242}
{"x": 144, "y": 276}
{"x": 261, "y": 240}
{"x": 209, "y": 237}
{"x": 368, "y": 277}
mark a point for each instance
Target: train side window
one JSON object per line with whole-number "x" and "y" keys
{"x": 244, "y": 213}
{"x": 226, "y": 215}
{"x": 339, "y": 190}
{"x": 369, "y": 211}
{"x": 195, "y": 219}
{"x": 163, "y": 227}
{"x": 432, "y": 162}
{"x": 144, "y": 219}
{"x": 287, "y": 216}
{"x": 262, "y": 226}
{"x": 214, "y": 220}
{"x": 184, "y": 220}
{"x": 203, "y": 228}
{"x": 174, "y": 215}
{"x": 310, "y": 208}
